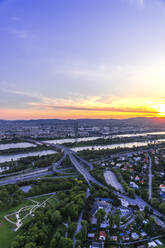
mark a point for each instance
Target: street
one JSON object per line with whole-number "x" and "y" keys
{"x": 150, "y": 178}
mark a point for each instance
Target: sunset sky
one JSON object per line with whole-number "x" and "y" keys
{"x": 82, "y": 58}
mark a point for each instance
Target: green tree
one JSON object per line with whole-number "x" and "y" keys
{"x": 15, "y": 244}
{"x": 71, "y": 229}
{"x": 78, "y": 244}
{"x": 131, "y": 192}
{"x": 56, "y": 217}
{"x": 149, "y": 227}
{"x": 53, "y": 243}
{"x": 155, "y": 202}
{"x": 162, "y": 207}
{"x": 144, "y": 194}
{"x": 139, "y": 217}
{"x": 65, "y": 243}
{"x": 100, "y": 215}
{"x": 146, "y": 211}
{"x": 30, "y": 245}
{"x": 72, "y": 211}
{"x": 117, "y": 220}
{"x": 84, "y": 229}
{"x": 79, "y": 236}
{"x": 111, "y": 220}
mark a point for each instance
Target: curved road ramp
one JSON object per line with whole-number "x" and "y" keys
{"x": 111, "y": 179}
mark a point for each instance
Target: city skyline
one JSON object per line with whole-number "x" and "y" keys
{"x": 82, "y": 59}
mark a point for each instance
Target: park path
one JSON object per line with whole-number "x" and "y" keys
{"x": 30, "y": 210}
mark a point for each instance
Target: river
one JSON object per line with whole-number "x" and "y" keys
{"x": 16, "y": 145}
{"x": 113, "y": 146}
{"x": 72, "y": 140}
{"x": 8, "y": 158}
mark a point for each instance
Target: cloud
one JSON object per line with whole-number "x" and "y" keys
{"x": 22, "y": 93}
{"x": 40, "y": 106}
{"x": 139, "y": 2}
{"x": 22, "y": 34}
{"x": 88, "y": 103}
{"x": 95, "y": 104}
{"x": 97, "y": 109}
{"x": 14, "y": 98}
{"x": 83, "y": 105}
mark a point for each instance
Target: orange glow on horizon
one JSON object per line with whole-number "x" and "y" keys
{"x": 14, "y": 114}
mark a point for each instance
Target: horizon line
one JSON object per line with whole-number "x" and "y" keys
{"x": 61, "y": 119}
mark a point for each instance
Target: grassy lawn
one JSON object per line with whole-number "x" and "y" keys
{"x": 6, "y": 235}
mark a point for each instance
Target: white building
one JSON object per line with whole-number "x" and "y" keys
{"x": 152, "y": 244}
{"x": 134, "y": 236}
{"x": 133, "y": 185}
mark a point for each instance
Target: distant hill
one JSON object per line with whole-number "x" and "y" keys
{"x": 137, "y": 122}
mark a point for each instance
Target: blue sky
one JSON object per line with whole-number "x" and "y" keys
{"x": 81, "y": 58}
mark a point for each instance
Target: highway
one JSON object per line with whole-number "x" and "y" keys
{"x": 36, "y": 174}
{"x": 20, "y": 178}
{"x": 83, "y": 161}
{"x": 79, "y": 168}
{"x": 57, "y": 164}
{"x": 83, "y": 171}
{"x": 72, "y": 156}
{"x": 150, "y": 178}
{"x": 67, "y": 152}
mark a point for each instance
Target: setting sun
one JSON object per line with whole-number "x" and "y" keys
{"x": 161, "y": 109}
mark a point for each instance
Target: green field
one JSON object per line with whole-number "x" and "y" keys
{"x": 6, "y": 235}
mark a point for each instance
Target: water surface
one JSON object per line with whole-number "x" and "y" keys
{"x": 16, "y": 145}
{"x": 14, "y": 157}
{"x": 72, "y": 140}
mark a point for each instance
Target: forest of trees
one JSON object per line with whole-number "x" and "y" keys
{"x": 50, "y": 224}
{"x": 10, "y": 196}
